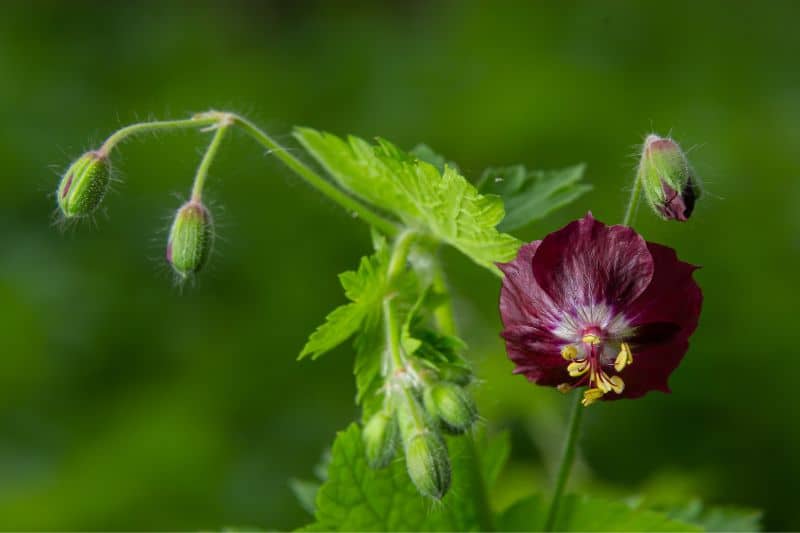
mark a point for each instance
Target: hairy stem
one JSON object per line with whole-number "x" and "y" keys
{"x": 633, "y": 201}
{"x": 145, "y": 127}
{"x": 205, "y": 164}
{"x": 312, "y": 178}
{"x": 221, "y": 120}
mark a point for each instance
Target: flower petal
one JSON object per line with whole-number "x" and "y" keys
{"x": 673, "y": 296}
{"x": 651, "y": 369}
{"x": 587, "y": 263}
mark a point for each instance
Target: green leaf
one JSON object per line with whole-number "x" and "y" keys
{"x": 305, "y": 492}
{"x": 365, "y": 287}
{"x": 584, "y": 513}
{"x": 443, "y": 205}
{"x": 531, "y": 195}
{"x": 426, "y": 153}
{"x": 358, "y": 498}
{"x": 718, "y": 518}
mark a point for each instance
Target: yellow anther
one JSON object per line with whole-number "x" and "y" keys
{"x": 569, "y": 352}
{"x": 591, "y": 338}
{"x": 564, "y": 388}
{"x": 578, "y": 368}
{"x": 617, "y": 385}
{"x": 624, "y": 358}
{"x": 590, "y": 396}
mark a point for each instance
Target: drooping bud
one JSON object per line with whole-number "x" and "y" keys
{"x": 452, "y": 405}
{"x": 190, "y": 239}
{"x": 380, "y": 438}
{"x": 669, "y": 183}
{"x": 428, "y": 464}
{"x": 84, "y": 184}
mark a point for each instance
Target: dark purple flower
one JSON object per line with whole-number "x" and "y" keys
{"x": 598, "y": 306}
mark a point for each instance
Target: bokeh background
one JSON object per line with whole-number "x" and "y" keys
{"x": 127, "y": 403}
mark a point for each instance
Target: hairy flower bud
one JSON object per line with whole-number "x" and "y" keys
{"x": 428, "y": 464}
{"x": 669, "y": 184}
{"x": 190, "y": 239}
{"x": 83, "y": 185}
{"x": 452, "y": 405}
{"x": 380, "y": 438}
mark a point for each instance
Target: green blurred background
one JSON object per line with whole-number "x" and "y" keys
{"x": 126, "y": 403}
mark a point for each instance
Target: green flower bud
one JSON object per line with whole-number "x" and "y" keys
{"x": 455, "y": 374}
{"x": 452, "y": 405}
{"x": 380, "y": 438}
{"x": 428, "y": 464}
{"x": 84, "y": 184}
{"x": 669, "y": 184}
{"x": 190, "y": 239}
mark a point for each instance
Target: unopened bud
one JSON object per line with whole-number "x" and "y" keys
{"x": 83, "y": 185}
{"x": 380, "y": 438}
{"x": 452, "y": 405}
{"x": 455, "y": 374}
{"x": 669, "y": 184}
{"x": 190, "y": 239}
{"x": 428, "y": 464}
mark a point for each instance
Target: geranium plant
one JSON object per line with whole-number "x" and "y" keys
{"x": 590, "y": 307}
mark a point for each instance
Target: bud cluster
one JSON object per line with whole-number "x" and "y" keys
{"x": 421, "y": 403}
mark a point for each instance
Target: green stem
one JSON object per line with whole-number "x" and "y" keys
{"x": 567, "y": 458}
{"x": 444, "y": 315}
{"x": 144, "y": 127}
{"x": 312, "y": 178}
{"x": 205, "y": 164}
{"x": 573, "y": 428}
{"x": 397, "y": 262}
{"x": 633, "y": 202}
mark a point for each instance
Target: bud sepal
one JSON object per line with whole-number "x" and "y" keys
{"x": 84, "y": 185}
{"x": 190, "y": 239}
{"x": 380, "y": 438}
{"x": 669, "y": 183}
{"x": 452, "y": 405}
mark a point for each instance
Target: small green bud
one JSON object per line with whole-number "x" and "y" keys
{"x": 380, "y": 438}
{"x": 455, "y": 374}
{"x": 452, "y": 405}
{"x": 428, "y": 464}
{"x": 669, "y": 183}
{"x": 84, "y": 184}
{"x": 190, "y": 239}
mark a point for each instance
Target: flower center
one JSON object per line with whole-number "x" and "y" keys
{"x": 592, "y": 359}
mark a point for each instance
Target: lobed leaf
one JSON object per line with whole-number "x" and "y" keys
{"x": 531, "y": 195}
{"x": 443, "y": 204}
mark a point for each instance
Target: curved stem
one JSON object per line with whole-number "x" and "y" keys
{"x": 315, "y": 180}
{"x": 567, "y": 458}
{"x": 144, "y": 127}
{"x": 208, "y": 157}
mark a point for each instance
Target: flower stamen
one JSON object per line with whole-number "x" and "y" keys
{"x": 569, "y": 352}
{"x": 578, "y": 368}
{"x": 624, "y": 358}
